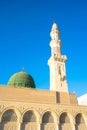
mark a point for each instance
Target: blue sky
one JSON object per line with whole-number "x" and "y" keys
{"x": 24, "y": 39}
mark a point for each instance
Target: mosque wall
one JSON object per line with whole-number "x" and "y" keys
{"x": 34, "y": 116}
{"x": 38, "y": 96}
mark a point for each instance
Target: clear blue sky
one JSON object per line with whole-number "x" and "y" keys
{"x": 24, "y": 39}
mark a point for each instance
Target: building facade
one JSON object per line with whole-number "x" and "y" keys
{"x": 23, "y": 107}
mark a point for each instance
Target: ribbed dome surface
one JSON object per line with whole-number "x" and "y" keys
{"x": 21, "y": 79}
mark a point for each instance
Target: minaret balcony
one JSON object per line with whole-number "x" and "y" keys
{"x": 61, "y": 58}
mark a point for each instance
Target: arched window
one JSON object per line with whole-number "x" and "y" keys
{"x": 29, "y": 116}
{"x": 9, "y": 116}
{"x": 64, "y": 118}
{"x": 79, "y": 119}
{"x": 48, "y": 118}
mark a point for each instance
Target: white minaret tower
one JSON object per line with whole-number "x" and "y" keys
{"x": 57, "y": 63}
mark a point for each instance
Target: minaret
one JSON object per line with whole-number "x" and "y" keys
{"x": 57, "y": 63}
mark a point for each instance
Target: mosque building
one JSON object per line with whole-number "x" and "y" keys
{"x": 23, "y": 107}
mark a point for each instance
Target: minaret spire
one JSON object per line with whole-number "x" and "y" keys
{"x": 57, "y": 62}
{"x": 55, "y": 42}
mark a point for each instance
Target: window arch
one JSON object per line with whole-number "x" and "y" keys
{"x": 64, "y": 118}
{"x": 29, "y": 116}
{"x": 9, "y": 116}
{"x": 79, "y": 118}
{"x": 48, "y": 118}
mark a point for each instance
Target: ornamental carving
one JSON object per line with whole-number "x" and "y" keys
{"x": 2, "y": 107}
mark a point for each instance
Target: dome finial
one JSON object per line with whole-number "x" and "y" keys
{"x": 23, "y": 69}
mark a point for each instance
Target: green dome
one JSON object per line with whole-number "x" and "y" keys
{"x": 21, "y": 79}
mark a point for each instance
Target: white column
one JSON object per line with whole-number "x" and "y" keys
{"x": 57, "y": 126}
{"x": 19, "y": 126}
{"x": 73, "y": 126}
{"x": 39, "y": 127}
